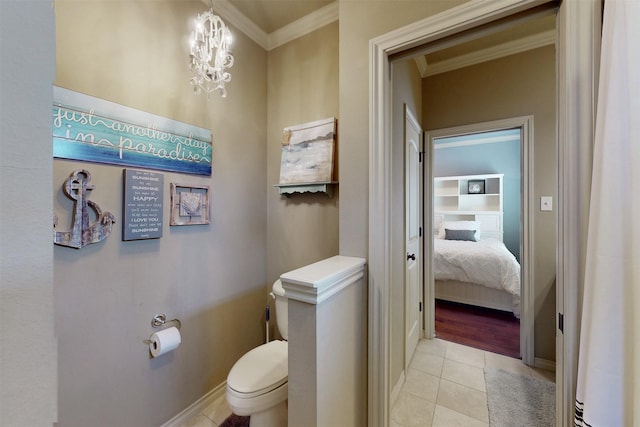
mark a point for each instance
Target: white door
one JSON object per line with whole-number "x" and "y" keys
{"x": 413, "y": 226}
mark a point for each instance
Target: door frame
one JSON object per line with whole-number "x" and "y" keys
{"x": 527, "y": 324}
{"x": 578, "y": 29}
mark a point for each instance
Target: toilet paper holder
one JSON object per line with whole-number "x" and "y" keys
{"x": 161, "y": 320}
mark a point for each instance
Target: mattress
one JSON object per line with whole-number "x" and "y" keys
{"x": 486, "y": 262}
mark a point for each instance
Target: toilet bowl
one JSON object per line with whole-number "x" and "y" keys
{"x": 257, "y": 385}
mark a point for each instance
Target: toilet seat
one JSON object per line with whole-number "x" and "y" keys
{"x": 261, "y": 370}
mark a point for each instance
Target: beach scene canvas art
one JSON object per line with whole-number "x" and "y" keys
{"x": 307, "y": 152}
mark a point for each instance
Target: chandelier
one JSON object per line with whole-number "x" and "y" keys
{"x": 210, "y": 55}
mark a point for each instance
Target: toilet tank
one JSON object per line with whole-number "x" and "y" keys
{"x": 282, "y": 314}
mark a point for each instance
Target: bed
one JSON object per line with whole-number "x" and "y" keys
{"x": 475, "y": 270}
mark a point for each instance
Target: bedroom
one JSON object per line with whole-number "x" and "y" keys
{"x": 477, "y": 238}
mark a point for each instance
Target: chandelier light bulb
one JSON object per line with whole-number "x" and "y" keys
{"x": 210, "y": 54}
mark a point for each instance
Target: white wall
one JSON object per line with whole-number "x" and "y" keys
{"x": 27, "y": 344}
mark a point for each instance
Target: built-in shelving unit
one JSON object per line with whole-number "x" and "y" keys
{"x": 453, "y": 202}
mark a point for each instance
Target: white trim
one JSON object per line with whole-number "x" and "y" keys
{"x": 476, "y": 141}
{"x": 395, "y": 393}
{"x": 316, "y": 282}
{"x": 421, "y": 63}
{"x": 234, "y": 17}
{"x": 379, "y": 235}
{"x": 292, "y": 31}
{"x": 314, "y": 294}
{"x": 489, "y": 54}
{"x": 527, "y": 298}
{"x": 577, "y": 49}
{"x": 197, "y": 407}
{"x": 527, "y": 316}
{"x": 469, "y": 15}
{"x": 547, "y": 365}
{"x": 305, "y": 25}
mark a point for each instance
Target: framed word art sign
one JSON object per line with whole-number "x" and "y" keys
{"x": 142, "y": 205}
{"x": 96, "y": 130}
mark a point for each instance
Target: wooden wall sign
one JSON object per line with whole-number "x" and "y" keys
{"x": 142, "y": 205}
{"x": 95, "y": 130}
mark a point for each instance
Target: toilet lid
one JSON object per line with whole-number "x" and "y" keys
{"x": 261, "y": 369}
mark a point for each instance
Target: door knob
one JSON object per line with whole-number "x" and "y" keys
{"x": 412, "y": 257}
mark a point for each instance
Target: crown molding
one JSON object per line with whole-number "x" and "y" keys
{"x": 330, "y": 13}
{"x": 305, "y": 25}
{"x": 233, "y": 16}
{"x": 509, "y": 48}
{"x": 299, "y": 28}
{"x": 421, "y": 62}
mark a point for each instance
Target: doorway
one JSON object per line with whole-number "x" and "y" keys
{"x": 515, "y": 225}
{"x": 578, "y": 31}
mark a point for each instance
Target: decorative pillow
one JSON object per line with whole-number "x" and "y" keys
{"x": 469, "y": 235}
{"x": 460, "y": 225}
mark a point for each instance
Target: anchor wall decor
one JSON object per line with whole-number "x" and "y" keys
{"x": 83, "y": 232}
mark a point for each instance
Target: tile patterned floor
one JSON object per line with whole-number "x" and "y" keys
{"x": 444, "y": 387}
{"x": 212, "y": 416}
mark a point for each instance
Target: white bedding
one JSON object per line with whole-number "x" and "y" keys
{"x": 486, "y": 262}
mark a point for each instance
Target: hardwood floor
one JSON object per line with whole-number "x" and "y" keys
{"x": 491, "y": 330}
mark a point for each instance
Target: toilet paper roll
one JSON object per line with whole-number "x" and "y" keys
{"x": 164, "y": 341}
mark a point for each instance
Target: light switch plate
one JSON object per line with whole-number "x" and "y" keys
{"x": 546, "y": 203}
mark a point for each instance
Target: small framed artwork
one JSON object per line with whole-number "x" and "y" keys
{"x": 476, "y": 186}
{"x": 189, "y": 204}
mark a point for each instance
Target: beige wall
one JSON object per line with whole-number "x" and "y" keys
{"x": 302, "y": 87}
{"x": 211, "y": 277}
{"x": 214, "y": 278}
{"x": 518, "y": 85}
{"x": 355, "y": 34}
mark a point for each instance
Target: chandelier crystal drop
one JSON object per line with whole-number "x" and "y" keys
{"x": 210, "y": 55}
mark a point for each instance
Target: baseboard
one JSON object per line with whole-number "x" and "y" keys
{"x": 547, "y": 365}
{"x": 395, "y": 392}
{"x": 197, "y": 407}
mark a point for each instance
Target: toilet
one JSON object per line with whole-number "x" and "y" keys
{"x": 257, "y": 385}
